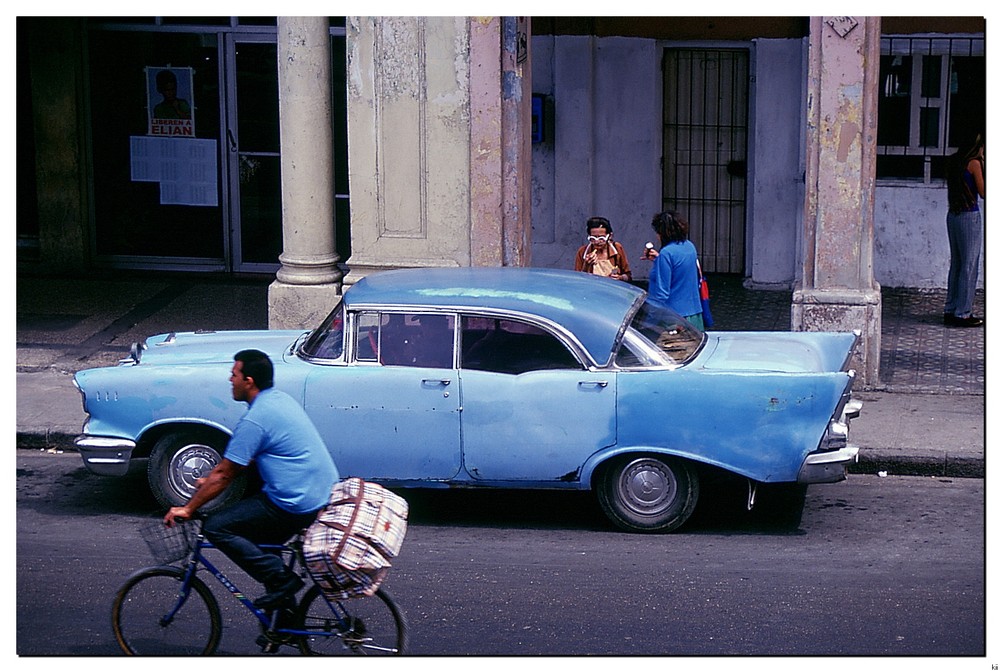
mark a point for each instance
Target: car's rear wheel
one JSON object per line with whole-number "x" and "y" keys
{"x": 648, "y": 493}
{"x": 178, "y": 459}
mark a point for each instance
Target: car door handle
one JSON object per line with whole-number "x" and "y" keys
{"x": 594, "y": 383}
{"x": 443, "y": 383}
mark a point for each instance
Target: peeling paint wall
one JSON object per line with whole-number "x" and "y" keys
{"x": 605, "y": 156}
{"x": 911, "y": 241}
{"x": 776, "y": 189}
{"x": 605, "y": 160}
{"x": 408, "y": 120}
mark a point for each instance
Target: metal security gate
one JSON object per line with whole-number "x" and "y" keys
{"x": 705, "y": 108}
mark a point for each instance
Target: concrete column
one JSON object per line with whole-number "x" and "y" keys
{"x": 408, "y": 142}
{"x": 308, "y": 284}
{"x": 486, "y": 151}
{"x": 838, "y": 291}
{"x": 500, "y": 164}
{"x": 438, "y": 118}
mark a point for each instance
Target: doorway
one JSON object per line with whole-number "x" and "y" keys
{"x": 185, "y": 150}
{"x": 705, "y": 111}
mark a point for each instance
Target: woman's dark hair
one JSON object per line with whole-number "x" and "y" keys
{"x": 960, "y": 195}
{"x": 257, "y": 365}
{"x": 598, "y": 222}
{"x": 670, "y": 226}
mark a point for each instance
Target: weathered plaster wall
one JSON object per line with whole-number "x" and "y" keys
{"x": 911, "y": 241}
{"x": 605, "y": 161}
{"x": 605, "y": 156}
{"x": 408, "y": 120}
{"x": 776, "y": 190}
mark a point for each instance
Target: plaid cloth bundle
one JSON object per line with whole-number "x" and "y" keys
{"x": 348, "y": 548}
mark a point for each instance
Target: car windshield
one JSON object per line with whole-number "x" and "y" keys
{"x": 327, "y": 341}
{"x": 668, "y": 331}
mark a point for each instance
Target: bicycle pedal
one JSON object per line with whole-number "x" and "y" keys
{"x": 267, "y": 645}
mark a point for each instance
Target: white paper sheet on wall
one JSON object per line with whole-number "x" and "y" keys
{"x": 186, "y": 168}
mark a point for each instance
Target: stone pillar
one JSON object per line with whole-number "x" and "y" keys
{"x": 308, "y": 284}
{"x": 438, "y": 118}
{"x": 500, "y": 164}
{"x": 838, "y": 291}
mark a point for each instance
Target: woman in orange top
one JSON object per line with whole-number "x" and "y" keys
{"x": 602, "y": 255}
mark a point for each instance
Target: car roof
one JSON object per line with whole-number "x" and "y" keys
{"x": 592, "y": 308}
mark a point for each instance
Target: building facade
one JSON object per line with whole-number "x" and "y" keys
{"x": 707, "y": 116}
{"x": 195, "y": 145}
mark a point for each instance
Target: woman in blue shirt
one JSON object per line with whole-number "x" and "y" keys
{"x": 673, "y": 279}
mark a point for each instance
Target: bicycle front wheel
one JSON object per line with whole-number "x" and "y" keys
{"x": 153, "y": 614}
{"x": 365, "y": 626}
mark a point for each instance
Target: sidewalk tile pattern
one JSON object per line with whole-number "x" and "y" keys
{"x": 918, "y": 355}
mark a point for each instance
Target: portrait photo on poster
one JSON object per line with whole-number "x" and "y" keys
{"x": 170, "y": 101}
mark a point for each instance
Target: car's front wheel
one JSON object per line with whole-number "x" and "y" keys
{"x": 648, "y": 493}
{"x": 179, "y": 459}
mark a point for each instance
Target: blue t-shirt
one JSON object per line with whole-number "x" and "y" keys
{"x": 673, "y": 279}
{"x": 291, "y": 457}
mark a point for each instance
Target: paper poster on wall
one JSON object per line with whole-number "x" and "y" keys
{"x": 170, "y": 101}
{"x": 185, "y": 168}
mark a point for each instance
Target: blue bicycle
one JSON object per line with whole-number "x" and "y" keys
{"x": 168, "y": 610}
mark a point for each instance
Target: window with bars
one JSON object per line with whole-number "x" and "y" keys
{"x": 932, "y": 92}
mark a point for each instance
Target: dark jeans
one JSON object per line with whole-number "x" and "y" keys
{"x": 236, "y": 530}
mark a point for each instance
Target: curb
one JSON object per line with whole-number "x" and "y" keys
{"x": 941, "y": 467}
{"x": 33, "y": 440}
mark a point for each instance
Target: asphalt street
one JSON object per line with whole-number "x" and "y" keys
{"x": 888, "y": 567}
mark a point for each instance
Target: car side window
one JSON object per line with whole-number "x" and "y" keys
{"x": 513, "y": 347}
{"x": 406, "y": 339}
{"x": 367, "y": 341}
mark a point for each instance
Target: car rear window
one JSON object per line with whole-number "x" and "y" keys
{"x": 667, "y": 331}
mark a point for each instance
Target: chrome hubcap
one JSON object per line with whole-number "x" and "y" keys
{"x": 647, "y": 487}
{"x": 189, "y": 464}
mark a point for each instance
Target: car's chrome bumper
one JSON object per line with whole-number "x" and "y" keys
{"x": 835, "y": 454}
{"x": 105, "y": 456}
{"x": 820, "y": 467}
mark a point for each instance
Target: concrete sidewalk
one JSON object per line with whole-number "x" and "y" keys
{"x": 926, "y": 416}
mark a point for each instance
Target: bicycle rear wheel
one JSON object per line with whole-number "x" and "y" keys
{"x": 366, "y": 626}
{"x": 142, "y": 621}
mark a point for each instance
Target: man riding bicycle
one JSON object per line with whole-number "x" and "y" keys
{"x": 296, "y": 469}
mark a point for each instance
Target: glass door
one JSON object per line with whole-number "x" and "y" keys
{"x": 154, "y": 144}
{"x": 185, "y": 148}
{"x": 253, "y": 153}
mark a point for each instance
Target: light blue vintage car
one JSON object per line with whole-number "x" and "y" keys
{"x": 500, "y": 377}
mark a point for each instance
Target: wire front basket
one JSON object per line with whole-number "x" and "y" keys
{"x": 169, "y": 544}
